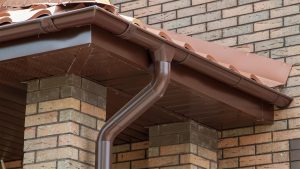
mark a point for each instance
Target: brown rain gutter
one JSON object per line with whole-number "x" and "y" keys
{"x": 135, "y": 107}
{"x": 122, "y": 28}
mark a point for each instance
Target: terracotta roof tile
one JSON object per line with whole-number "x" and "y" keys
{"x": 249, "y": 65}
{"x": 246, "y": 64}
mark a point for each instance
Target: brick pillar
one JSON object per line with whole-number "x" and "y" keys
{"x": 63, "y": 116}
{"x": 185, "y": 145}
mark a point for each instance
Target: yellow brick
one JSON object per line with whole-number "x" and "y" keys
{"x": 175, "y": 149}
{"x": 267, "y": 5}
{"x": 296, "y": 100}
{"x": 237, "y": 132}
{"x": 89, "y": 133}
{"x": 256, "y": 160}
{"x": 140, "y": 145}
{"x": 76, "y": 116}
{"x": 100, "y": 124}
{"x": 228, "y": 163}
{"x": 281, "y": 157}
{"x": 68, "y": 103}
{"x": 193, "y": 159}
{"x": 87, "y": 157}
{"x": 133, "y": 5}
{"x": 206, "y": 153}
{"x": 56, "y": 154}
{"x": 294, "y": 123}
{"x": 285, "y": 31}
{"x": 93, "y": 110}
{"x": 213, "y": 165}
{"x": 29, "y": 132}
{"x": 255, "y": 139}
{"x": 239, "y": 151}
{"x": 228, "y": 142}
{"x": 163, "y": 161}
{"x": 121, "y": 148}
{"x": 287, "y": 113}
{"x": 272, "y": 147}
{"x": 61, "y": 128}
{"x": 277, "y": 125}
{"x": 245, "y": 48}
{"x": 147, "y": 11}
{"x": 286, "y": 135}
{"x": 268, "y": 24}
{"x": 237, "y": 11}
{"x": 189, "y": 166}
{"x": 39, "y": 119}
{"x": 125, "y": 165}
{"x": 133, "y": 155}
{"x": 41, "y": 143}
{"x": 28, "y": 158}
{"x": 153, "y": 152}
{"x": 72, "y": 140}
{"x": 139, "y": 164}
{"x": 48, "y": 165}
{"x": 286, "y": 51}
{"x": 295, "y": 72}
{"x": 275, "y": 166}
{"x": 71, "y": 164}
{"x": 114, "y": 158}
{"x": 31, "y": 109}
{"x": 258, "y": 36}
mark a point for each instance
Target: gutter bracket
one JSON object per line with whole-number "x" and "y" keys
{"x": 186, "y": 57}
{"x": 47, "y": 25}
{"x": 128, "y": 33}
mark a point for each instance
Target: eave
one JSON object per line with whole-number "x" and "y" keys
{"x": 90, "y": 43}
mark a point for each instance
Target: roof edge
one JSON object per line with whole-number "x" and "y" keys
{"x": 124, "y": 29}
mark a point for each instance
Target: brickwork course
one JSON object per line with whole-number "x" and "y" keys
{"x": 270, "y": 28}
{"x": 63, "y": 116}
{"x": 185, "y": 145}
{"x": 127, "y": 155}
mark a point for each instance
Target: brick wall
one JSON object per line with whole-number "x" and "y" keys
{"x": 270, "y": 28}
{"x": 127, "y": 155}
{"x": 185, "y": 145}
{"x": 63, "y": 116}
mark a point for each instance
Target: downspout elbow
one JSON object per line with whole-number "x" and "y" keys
{"x": 132, "y": 110}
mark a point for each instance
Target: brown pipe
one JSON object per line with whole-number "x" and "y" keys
{"x": 133, "y": 109}
{"x": 120, "y": 27}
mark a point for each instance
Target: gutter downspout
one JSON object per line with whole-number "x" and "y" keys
{"x": 135, "y": 107}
